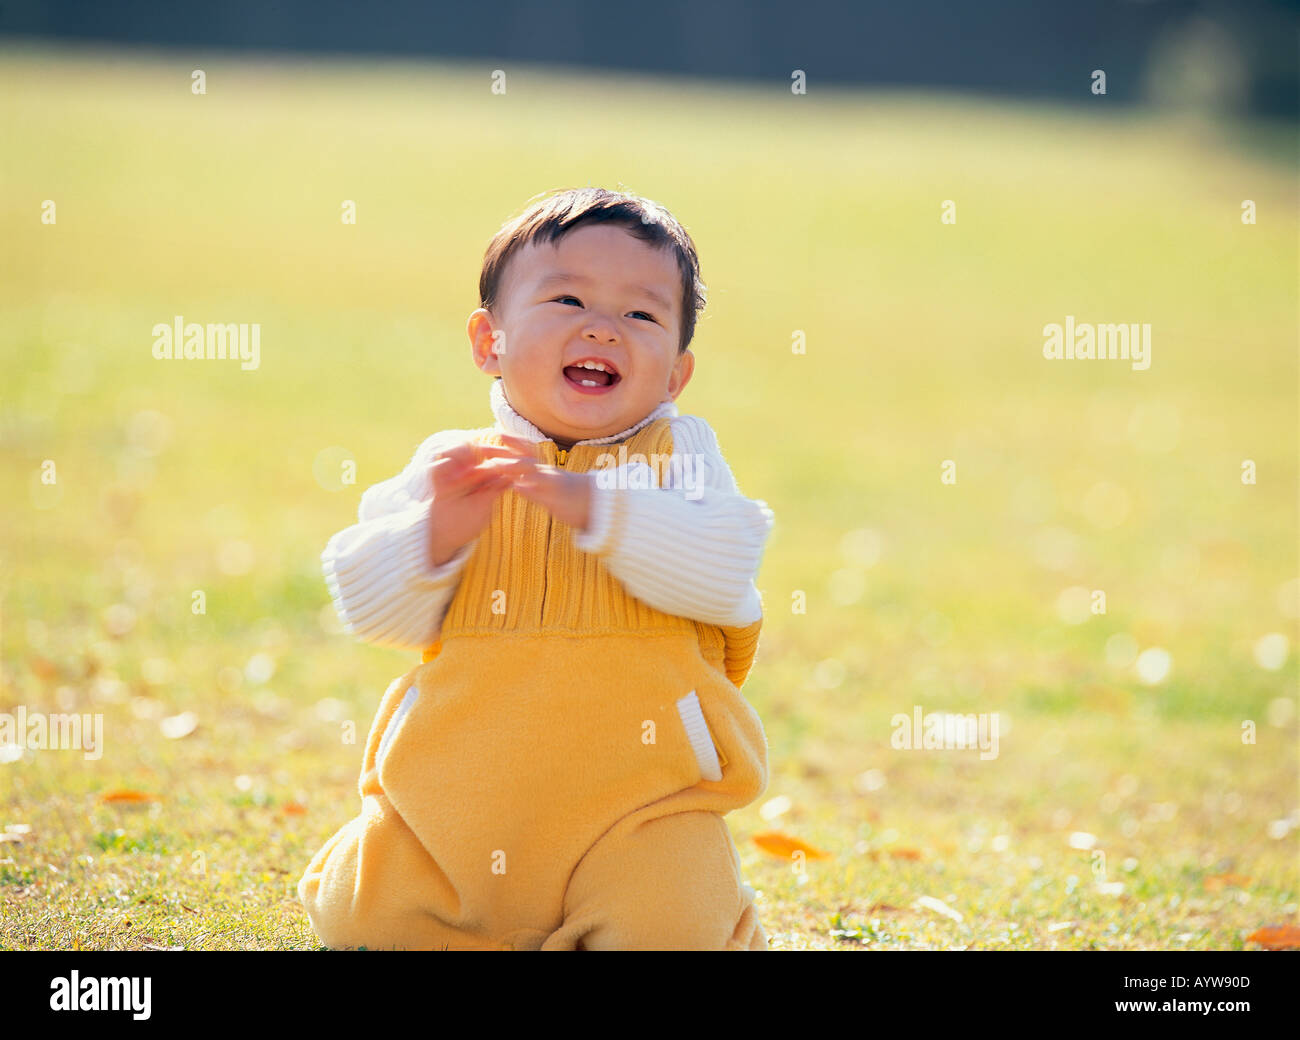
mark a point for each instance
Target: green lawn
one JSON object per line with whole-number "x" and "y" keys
{"x": 924, "y": 344}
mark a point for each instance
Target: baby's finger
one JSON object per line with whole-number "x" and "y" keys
{"x": 491, "y": 486}
{"x": 480, "y": 456}
{"x": 492, "y": 467}
{"x": 511, "y": 466}
{"x": 463, "y": 456}
{"x": 451, "y": 466}
{"x": 539, "y": 483}
{"x": 488, "y": 473}
{"x": 510, "y": 450}
{"x": 470, "y": 454}
{"x": 518, "y": 446}
{"x": 455, "y": 465}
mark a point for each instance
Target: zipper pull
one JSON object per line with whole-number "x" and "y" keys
{"x": 560, "y": 455}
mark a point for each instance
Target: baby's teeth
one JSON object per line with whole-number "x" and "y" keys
{"x": 588, "y": 382}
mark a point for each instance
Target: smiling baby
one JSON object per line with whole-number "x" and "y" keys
{"x": 554, "y": 773}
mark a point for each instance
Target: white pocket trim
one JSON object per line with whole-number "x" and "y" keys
{"x": 408, "y": 701}
{"x": 697, "y": 732}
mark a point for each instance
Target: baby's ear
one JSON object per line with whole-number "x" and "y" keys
{"x": 487, "y": 343}
{"x": 681, "y": 374}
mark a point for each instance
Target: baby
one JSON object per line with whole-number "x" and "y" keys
{"x": 580, "y": 579}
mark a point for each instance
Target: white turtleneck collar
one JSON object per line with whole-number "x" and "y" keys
{"x": 511, "y": 421}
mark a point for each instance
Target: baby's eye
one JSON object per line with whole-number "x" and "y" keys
{"x": 645, "y": 314}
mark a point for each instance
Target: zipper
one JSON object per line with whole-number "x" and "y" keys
{"x": 560, "y": 456}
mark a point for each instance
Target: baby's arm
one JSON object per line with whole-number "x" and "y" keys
{"x": 378, "y": 571}
{"x": 691, "y": 547}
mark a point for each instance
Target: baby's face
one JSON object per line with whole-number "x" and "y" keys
{"x": 597, "y": 296}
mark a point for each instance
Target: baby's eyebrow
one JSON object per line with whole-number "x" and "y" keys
{"x": 557, "y": 277}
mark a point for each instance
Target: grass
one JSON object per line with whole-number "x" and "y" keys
{"x": 923, "y": 345}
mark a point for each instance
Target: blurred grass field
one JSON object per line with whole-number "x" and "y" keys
{"x": 924, "y": 343}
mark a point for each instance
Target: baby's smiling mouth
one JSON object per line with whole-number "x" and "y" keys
{"x": 590, "y": 374}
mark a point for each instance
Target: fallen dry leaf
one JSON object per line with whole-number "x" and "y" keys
{"x": 783, "y": 846}
{"x": 1218, "y": 881}
{"x": 904, "y": 853}
{"x": 127, "y": 795}
{"x": 45, "y": 669}
{"x": 896, "y": 853}
{"x": 1276, "y": 937}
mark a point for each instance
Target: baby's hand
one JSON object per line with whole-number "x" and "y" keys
{"x": 567, "y": 496}
{"x": 467, "y": 480}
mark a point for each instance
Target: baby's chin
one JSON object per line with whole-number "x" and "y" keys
{"x": 572, "y": 433}
{"x": 572, "y": 424}
{"x": 572, "y": 417}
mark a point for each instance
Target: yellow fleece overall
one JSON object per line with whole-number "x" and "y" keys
{"x": 533, "y": 784}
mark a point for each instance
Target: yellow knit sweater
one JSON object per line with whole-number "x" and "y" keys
{"x": 549, "y": 585}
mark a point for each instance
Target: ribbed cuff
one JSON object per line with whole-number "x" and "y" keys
{"x": 740, "y": 646}
{"x": 696, "y": 559}
{"x": 380, "y": 578}
{"x": 605, "y": 522}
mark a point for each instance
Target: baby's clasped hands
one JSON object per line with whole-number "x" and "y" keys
{"x": 468, "y": 478}
{"x": 567, "y": 496}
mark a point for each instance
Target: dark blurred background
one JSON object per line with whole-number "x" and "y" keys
{"x": 1230, "y": 56}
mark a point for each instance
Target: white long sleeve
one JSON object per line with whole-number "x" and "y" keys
{"x": 378, "y": 572}
{"x": 691, "y": 546}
